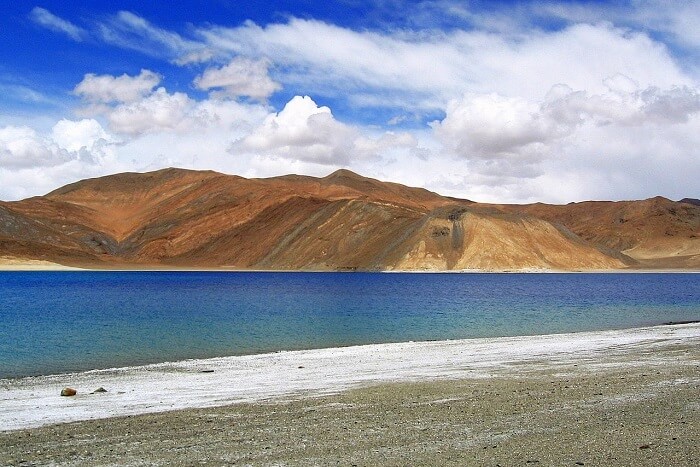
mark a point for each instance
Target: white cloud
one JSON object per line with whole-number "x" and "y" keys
{"x": 623, "y": 104}
{"x": 603, "y": 105}
{"x": 32, "y": 162}
{"x": 307, "y": 133}
{"x": 158, "y": 111}
{"x": 198, "y": 56}
{"x": 342, "y": 62}
{"x": 108, "y": 89}
{"x": 81, "y": 143}
{"x": 130, "y": 104}
{"x": 374, "y": 146}
{"x": 50, "y": 21}
{"x": 334, "y": 58}
{"x": 22, "y": 147}
{"x": 200, "y": 139}
{"x": 664, "y": 17}
{"x": 76, "y": 135}
{"x": 241, "y": 77}
{"x": 131, "y": 31}
{"x": 494, "y": 127}
{"x": 625, "y": 162}
{"x": 675, "y": 105}
{"x": 680, "y": 19}
{"x": 302, "y": 131}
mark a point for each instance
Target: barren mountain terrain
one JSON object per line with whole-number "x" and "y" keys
{"x": 193, "y": 219}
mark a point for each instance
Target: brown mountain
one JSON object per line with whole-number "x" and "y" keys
{"x": 656, "y": 232}
{"x": 183, "y": 218}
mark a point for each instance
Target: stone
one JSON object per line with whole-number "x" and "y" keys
{"x": 68, "y": 392}
{"x": 100, "y": 389}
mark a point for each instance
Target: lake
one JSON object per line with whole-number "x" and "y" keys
{"x": 56, "y": 322}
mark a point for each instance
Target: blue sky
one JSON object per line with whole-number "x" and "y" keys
{"x": 493, "y": 101}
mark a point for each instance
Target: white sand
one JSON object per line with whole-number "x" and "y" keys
{"x": 10, "y": 263}
{"x": 32, "y": 402}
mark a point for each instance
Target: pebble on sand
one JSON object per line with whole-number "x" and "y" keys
{"x": 68, "y": 392}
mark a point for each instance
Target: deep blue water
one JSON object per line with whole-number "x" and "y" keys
{"x": 54, "y": 322}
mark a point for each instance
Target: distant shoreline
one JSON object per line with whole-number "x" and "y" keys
{"x": 41, "y": 265}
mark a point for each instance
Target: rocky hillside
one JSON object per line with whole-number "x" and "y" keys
{"x": 656, "y": 232}
{"x": 183, "y": 218}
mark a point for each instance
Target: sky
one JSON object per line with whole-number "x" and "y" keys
{"x": 499, "y": 101}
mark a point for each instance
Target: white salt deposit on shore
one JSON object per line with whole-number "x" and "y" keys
{"x": 36, "y": 401}
{"x": 8, "y": 263}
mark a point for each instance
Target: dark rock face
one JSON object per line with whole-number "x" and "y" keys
{"x": 693, "y": 201}
{"x": 440, "y": 232}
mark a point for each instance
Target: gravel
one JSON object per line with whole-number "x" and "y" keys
{"x": 638, "y": 407}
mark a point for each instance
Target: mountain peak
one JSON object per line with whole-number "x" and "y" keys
{"x": 344, "y": 173}
{"x": 177, "y": 217}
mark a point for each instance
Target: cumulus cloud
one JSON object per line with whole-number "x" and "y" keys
{"x": 199, "y": 140}
{"x": 76, "y": 135}
{"x": 45, "y": 18}
{"x": 241, "y": 77}
{"x": 305, "y": 132}
{"x": 674, "y": 105}
{"x": 573, "y": 145}
{"x": 528, "y": 98}
{"x": 158, "y": 111}
{"x": 165, "y": 112}
{"x": 151, "y": 136}
{"x": 22, "y": 147}
{"x": 108, "y": 89}
{"x": 131, "y": 106}
{"x": 302, "y": 131}
{"x": 494, "y": 127}
{"x": 84, "y": 142}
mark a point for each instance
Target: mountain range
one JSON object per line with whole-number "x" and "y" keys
{"x": 176, "y": 218}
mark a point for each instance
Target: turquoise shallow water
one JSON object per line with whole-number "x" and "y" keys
{"x": 54, "y": 322}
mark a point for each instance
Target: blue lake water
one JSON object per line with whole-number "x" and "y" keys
{"x": 55, "y": 322}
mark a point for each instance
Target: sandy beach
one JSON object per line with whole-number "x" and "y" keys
{"x": 614, "y": 397}
{"x": 8, "y": 263}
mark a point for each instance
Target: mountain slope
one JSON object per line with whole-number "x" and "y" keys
{"x": 184, "y": 218}
{"x": 656, "y": 232}
{"x": 485, "y": 239}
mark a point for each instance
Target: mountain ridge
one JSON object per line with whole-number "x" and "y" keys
{"x": 343, "y": 221}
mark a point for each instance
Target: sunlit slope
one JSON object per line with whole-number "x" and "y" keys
{"x": 185, "y": 218}
{"x": 657, "y": 231}
{"x": 473, "y": 238}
